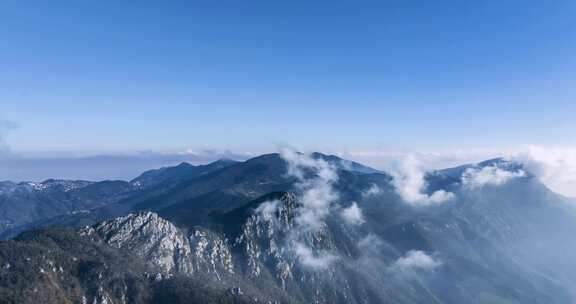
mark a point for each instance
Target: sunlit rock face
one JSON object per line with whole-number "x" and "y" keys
{"x": 269, "y": 239}
{"x": 150, "y": 237}
{"x": 210, "y": 253}
{"x": 164, "y": 245}
{"x": 264, "y": 236}
{"x": 267, "y": 246}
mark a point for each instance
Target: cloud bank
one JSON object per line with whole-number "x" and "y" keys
{"x": 555, "y": 167}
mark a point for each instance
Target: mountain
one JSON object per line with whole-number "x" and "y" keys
{"x": 65, "y": 266}
{"x": 344, "y": 164}
{"x": 56, "y": 202}
{"x": 307, "y": 229}
{"x": 25, "y": 203}
{"x": 178, "y": 173}
{"x": 189, "y": 201}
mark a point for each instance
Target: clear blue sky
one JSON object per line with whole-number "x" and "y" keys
{"x": 132, "y": 75}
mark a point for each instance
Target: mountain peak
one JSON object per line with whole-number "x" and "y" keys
{"x": 184, "y": 165}
{"x": 224, "y": 161}
{"x": 337, "y": 162}
{"x": 344, "y": 164}
{"x": 143, "y": 221}
{"x": 500, "y": 163}
{"x": 178, "y": 173}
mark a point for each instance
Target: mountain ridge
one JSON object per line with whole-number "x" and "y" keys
{"x": 324, "y": 234}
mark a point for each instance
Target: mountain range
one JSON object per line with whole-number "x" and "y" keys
{"x": 290, "y": 228}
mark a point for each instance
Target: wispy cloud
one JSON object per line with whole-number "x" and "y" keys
{"x": 475, "y": 178}
{"x": 6, "y": 126}
{"x": 555, "y": 167}
{"x": 417, "y": 259}
{"x": 268, "y": 209}
{"x": 369, "y": 242}
{"x": 352, "y": 215}
{"x": 207, "y": 153}
{"x": 316, "y": 179}
{"x": 410, "y": 183}
{"x": 372, "y": 191}
{"x": 315, "y": 184}
{"x": 316, "y": 261}
{"x": 387, "y": 158}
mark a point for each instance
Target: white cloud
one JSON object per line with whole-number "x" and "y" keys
{"x": 372, "y": 191}
{"x": 370, "y": 243}
{"x": 489, "y": 175}
{"x": 5, "y": 127}
{"x": 315, "y": 261}
{"x": 410, "y": 183}
{"x": 386, "y": 158}
{"x": 417, "y": 259}
{"x": 267, "y": 210}
{"x": 555, "y": 167}
{"x": 200, "y": 155}
{"x": 352, "y": 215}
{"x": 316, "y": 179}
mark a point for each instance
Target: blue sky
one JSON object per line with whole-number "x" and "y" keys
{"x": 249, "y": 75}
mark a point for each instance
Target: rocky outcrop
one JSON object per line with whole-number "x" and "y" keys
{"x": 165, "y": 246}
{"x": 266, "y": 246}
{"x": 150, "y": 237}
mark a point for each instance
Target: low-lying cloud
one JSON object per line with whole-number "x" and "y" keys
{"x": 316, "y": 179}
{"x": 315, "y": 185}
{"x": 369, "y": 243}
{"x": 555, "y": 167}
{"x": 267, "y": 210}
{"x": 372, "y": 191}
{"x": 352, "y": 215}
{"x": 490, "y": 175}
{"x": 409, "y": 182}
{"x": 417, "y": 259}
{"x": 316, "y": 261}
